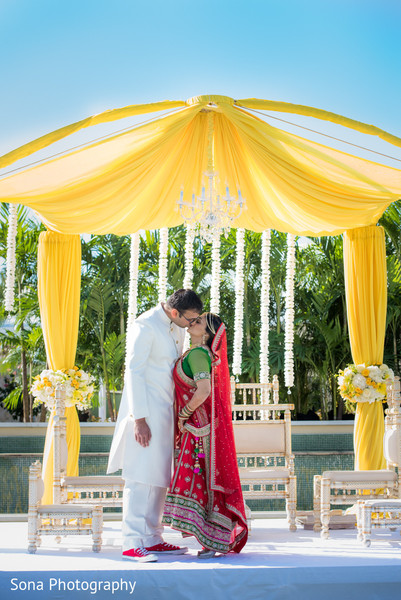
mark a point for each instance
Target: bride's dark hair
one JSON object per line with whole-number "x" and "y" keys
{"x": 213, "y": 322}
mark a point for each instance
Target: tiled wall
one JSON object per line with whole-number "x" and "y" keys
{"x": 314, "y": 453}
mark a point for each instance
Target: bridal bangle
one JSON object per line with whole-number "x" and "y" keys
{"x": 185, "y": 412}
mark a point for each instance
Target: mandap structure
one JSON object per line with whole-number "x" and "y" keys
{"x": 133, "y": 179}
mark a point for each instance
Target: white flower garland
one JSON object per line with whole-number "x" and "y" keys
{"x": 264, "y": 307}
{"x": 216, "y": 268}
{"x": 163, "y": 249}
{"x": 289, "y": 314}
{"x": 189, "y": 255}
{"x": 11, "y": 246}
{"x": 133, "y": 279}
{"x": 190, "y": 230}
{"x": 239, "y": 302}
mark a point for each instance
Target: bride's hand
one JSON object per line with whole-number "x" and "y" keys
{"x": 181, "y": 424}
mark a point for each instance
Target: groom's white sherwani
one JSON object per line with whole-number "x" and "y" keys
{"x": 154, "y": 344}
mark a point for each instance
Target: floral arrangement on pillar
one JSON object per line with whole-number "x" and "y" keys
{"x": 11, "y": 245}
{"x": 78, "y": 387}
{"x": 239, "y": 302}
{"x": 216, "y": 268}
{"x": 163, "y": 263}
{"x": 289, "y": 315}
{"x": 361, "y": 383}
{"x": 264, "y": 307}
{"x": 133, "y": 279}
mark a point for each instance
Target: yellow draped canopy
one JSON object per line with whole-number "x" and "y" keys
{"x": 133, "y": 180}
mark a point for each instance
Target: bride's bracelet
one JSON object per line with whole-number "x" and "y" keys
{"x": 185, "y": 412}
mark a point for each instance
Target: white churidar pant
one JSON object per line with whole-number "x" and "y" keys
{"x": 142, "y": 512}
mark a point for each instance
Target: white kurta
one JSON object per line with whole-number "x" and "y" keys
{"x": 154, "y": 345}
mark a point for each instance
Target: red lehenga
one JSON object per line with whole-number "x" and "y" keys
{"x": 208, "y": 504}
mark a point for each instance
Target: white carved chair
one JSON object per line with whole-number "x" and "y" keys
{"x": 346, "y": 487}
{"x": 59, "y": 518}
{"x": 384, "y": 513}
{"x": 262, "y": 432}
{"x": 102, "y": 490}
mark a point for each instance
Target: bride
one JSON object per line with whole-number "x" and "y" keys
{"x": 205, "y": 498}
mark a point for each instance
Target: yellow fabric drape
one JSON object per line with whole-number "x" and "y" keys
{"x": 366, "y": 290}
{"x": 105, "y": 117}
{"x": 133, "y": 180}
{"x": 59, "y": 279}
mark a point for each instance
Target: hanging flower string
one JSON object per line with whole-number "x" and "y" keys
{"x": 189, "y": 255}
{"x": 239, "y": 302}
{"x": 133, "y": 279}
{"x": 11, "y": 246}
{"x": 133, "y": 290}
{"x": 215, "y": 286}
{"x": 163, "y": 249}
{"x": 264, "y": 307}
{"x": 189, "y": 267}
{"x": 289, "y": 315}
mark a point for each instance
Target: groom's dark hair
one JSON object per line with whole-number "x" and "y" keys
{"x": 185, "y": 300}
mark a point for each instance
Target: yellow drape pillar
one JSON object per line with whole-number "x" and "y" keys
{"x": 59, "y": 282}
{"x": 366, "y": 290}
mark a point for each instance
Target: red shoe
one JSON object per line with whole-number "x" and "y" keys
{"x": 140, "y": 555}
{"x": 165, "y": 548}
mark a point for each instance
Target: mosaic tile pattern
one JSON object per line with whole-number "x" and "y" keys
{"x": 313, "y": 454}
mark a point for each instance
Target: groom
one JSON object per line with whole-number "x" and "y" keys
{"x": 143, "y": 440}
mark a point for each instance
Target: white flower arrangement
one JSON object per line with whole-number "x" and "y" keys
{"x": 289, "y": 314}
{"x": 264, "y": 307}
{"x": 10, "y": 269}
{"x": 216, "y": 268}
{"x": 163, "y": 263}
{"x": 78, "y": 384}
{"x": 361, "y": 383}
{"x": 239, "y": 302}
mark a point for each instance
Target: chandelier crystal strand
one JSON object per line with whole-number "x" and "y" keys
{"x": 264, "y": 308}
{"x": 133, "y": 279}
{"x": 239, "y": 302}
{"x": 163, "y": 249}
{"x": 215, "y": 286}
{"x": 289, "y": 315}
{"x": 10, "y": 266}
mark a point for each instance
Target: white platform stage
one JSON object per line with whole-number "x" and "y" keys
{"x": 275, "y": 565}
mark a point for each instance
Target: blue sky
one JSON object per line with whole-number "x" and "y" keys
{"x": 65, "y": 60}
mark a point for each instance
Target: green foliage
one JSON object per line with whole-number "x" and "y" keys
{"x": 321, "y": 344}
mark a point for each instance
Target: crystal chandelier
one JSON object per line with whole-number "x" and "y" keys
{"x": 211, "y": 212}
